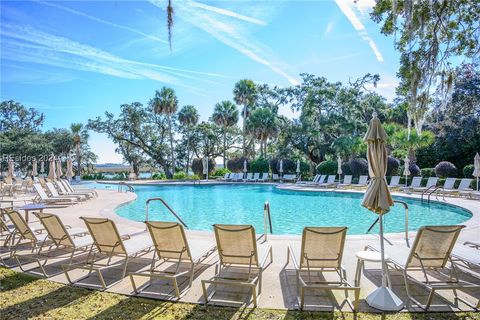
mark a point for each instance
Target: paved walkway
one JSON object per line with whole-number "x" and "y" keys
{"x": 279, "y": 289}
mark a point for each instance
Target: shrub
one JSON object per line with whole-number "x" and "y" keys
{"x": 445, "y": 169}
{"x": 428, "y": 172}
{"x": 359, "y": 167}
{"x": 220, "y": 172}
{"x": 346, "y": 170}
{"x": 159, "y": 176}
{"x": 468, "y": 171}
{"x": 392, "y": 166}
{"x": 289, "y": 166}
{"x": 258, "y": 165}
{"x": 236, "y": 164}
{"x": 197, "y": 166}
{"x": 414, "y": 169}
{"x": 194, "y": 177}
{"x": 179, "y": 175}
{"x": 304, "y": 170}
{"x": 327, "y": 167}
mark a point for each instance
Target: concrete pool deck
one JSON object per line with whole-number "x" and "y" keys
{"x": 279, "y": 288}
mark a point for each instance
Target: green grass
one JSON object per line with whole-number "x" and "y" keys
{"x": 25, "y": 297}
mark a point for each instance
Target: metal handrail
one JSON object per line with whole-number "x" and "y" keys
{"x": 121, "y": 184}
{"x": 267, "y": 215}
{"x": 428, "y": 189}
{"x": 167, "y": 206}
{"x": 436, "y": 193}
{"x": 405, "y": 205}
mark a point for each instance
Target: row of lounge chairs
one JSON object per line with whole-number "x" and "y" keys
{"x": 242, "y": 258}
{"x": 60, "y": 192}
{"x": 257, "y": 177}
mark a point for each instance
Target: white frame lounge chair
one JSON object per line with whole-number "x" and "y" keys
{"x": 315, "y": 178}
{"x": 431, "y": 250}
{"x": 238, "y": 250}
{"x": 265, "y": 177}
{"x": 109, "y": 243}
{"x": 362, "y": 182}
{"x": 394, "y": 182}
{"x": 431, "y": 183}
{"x": 72, "y": 189}
{"x": 415, "y": 183}
{"x": 347, "y": 181}
{"x": 321, "y": 251}
{"x": 275, "y": 177}
{"x": 171, "y": 246}
{"x": 65, "y": 192}
{"x": 43, "y": 197}
{"x": 255, "y": 177}
{"x": 321, "y": 179}
{"x": 451, "y": 190}
{"x": 55, "y": 194}
{"x": 248, "y": 177}
{"x": 330, "y": 182}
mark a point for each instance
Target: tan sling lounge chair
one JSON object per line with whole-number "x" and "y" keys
{"x": 321, "y": 251}
{"x": 109, "y": 243}
{"x": 430, "y": 251}
{"x": 60, "y": 237}
{"x": 238, "y": 251}
{"x": 172, "y": 247}
{"x": 23, "y": 231}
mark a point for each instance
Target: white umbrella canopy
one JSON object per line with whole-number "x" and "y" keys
{"x": 339, "y": 166}
{"x": 52, "y": 173}
{"x": 34, "y": 168}
{"x": 298, "y": 166}
{"x": 59, "y": 168}
{"x": 204, "y": 165}
{"x": 69, "y": 169}
{"x": 476, "y": 167}
{"x": 377, "y": 199}
{"x": 10, "y": 168}
{"x": 281, "y": 166}
{"x": 406, "y": 170}
{"x": 245, "y": 166}
{"x": 42, "y": 167}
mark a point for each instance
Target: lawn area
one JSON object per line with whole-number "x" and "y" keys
{"x": 26, "y": 297}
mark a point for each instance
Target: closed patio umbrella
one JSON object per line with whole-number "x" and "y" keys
{"x": 339, "y": 167}
{"x": 281, "y": 166}
{"x": 10, "y": 168}
{"x": 59, "y": 168}
{"x": 406, "y": 170}
{"x": 245, "y": 166}
{"x": 52, "y": 173}
{"x": 42, "y": 167}
{"x": 476, "y": 166}
{"x": 377, "y": 199}
{"x": 69, "y": 169}
{"x": 34, "y": 168}
{"x": 298, "y": 166}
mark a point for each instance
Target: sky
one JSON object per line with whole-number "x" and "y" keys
{"x": 74, "y": 60}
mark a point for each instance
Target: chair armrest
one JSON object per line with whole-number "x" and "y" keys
{"x": 290, "y": 255}
{"x": 264, "y": 258}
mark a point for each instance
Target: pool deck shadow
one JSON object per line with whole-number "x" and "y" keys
{"x": 279, "y": 290}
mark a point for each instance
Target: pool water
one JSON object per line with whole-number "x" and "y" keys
{"x": 291, "y": 211}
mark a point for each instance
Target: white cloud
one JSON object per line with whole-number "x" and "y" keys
{"x": 329, "y": 28}
{"x": 227, "y": 13}
{"x": 231, "y": 33}
{"x": 347, "y": 8}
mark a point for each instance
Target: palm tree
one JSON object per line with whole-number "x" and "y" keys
{"x": 225, "y": 115}
{"x": 80, "y": 135}
{"x": 166, "y": 102}
{"x": 405, "y": 143}
{"x": 245, "y": 93}
{"x": 188, "y": 117}
{"x": 263, "y": 124}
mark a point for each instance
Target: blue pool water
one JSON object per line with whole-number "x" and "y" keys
{"x": 202, "y": 206}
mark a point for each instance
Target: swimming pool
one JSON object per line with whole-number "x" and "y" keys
{"x": 202, "y": 206}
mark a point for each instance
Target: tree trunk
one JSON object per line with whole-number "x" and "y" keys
{"x": 411, "y": 156}
{"x": 79, "y": 160}
{"x": 188, "y": 153}
{"x": 244, "y": 128}
{"x": 224, "y": 147}
{"x": 171, "y": 141}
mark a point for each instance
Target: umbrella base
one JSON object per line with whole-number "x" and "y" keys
{"x": 384, "y": 299}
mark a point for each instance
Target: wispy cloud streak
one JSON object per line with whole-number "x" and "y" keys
{"x": 102, "y": 21}
{"x": 230, "y": 33}
{"x": 347, "y": 10}
{"x": 227, "y": 13}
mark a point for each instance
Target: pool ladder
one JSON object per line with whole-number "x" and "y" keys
{"x": 167, "y": 206}
{"x": 405, "y": 205}
{"x": 121, "y": 184}
{"x": 433, "y": 189}
{"x": 267, "y": 219}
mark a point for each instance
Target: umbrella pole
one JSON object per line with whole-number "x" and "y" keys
{"x": 382, "y": 250}
{"x": 477, "y": 183}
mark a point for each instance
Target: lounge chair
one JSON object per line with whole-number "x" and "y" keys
{"x": 61, "y": 237}
{"x": 239, "y": 177}
{"x": 255, "y": 177}
{"x": 69, "y": 187}
{"x": 473, "y": 244}
{"x": 430, "y": 251}
{"x": 264, "y": 177}
{"x": 65, "y": 192}
{"x": 317, "y": 176}
{"x": 321, "y": 251}
{"x": 275, "y": 177}
{"x": 431, "y": 183}
{"x": 468, "y": 257}
{"x": 449, "y": 188}
{"x": 55, "y": 194}
{"x": 416, "y": 183}
{"x": 289, "y": 177}
{"x": 109, "y": 243}
{"x": 248, "y": 177}
{"x": 171, "y": 246}
{"x": 321, "y": 179}
{"x": 362, "y": 182}
{"x": 225, "y": 177}
{"x": 237, "y": 250}
{"x": 394, "y": 182}
{"x": 347, "y": 181}
{"x": 42, "y": 197}
{"x": 330, "y": 182}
